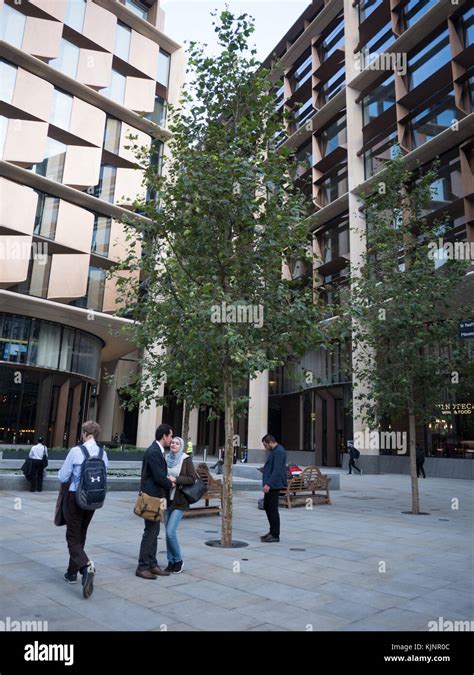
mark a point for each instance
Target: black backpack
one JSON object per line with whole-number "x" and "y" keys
{"x": 356, "y": 453}
{"x": 92, "y": 488}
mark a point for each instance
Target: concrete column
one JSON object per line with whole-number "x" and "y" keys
{"x": 75, "y": 409}
{"x": 258, "y": 411}
{"x": 148, "y": 421}
{"x": 194, "y": 425}
{"x": 58, "y": 438}
{"x": 107, "y": 402}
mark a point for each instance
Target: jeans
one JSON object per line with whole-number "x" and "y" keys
{"x": 77, "y": 522}
{"x": 172, "y": 521}
{"x": 270, "y": 504}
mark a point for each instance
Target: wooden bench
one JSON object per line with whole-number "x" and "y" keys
{"x": 214, "y": 492}
{"x": 310, "y": 484}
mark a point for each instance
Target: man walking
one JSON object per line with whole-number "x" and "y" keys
{"x": 353, "y": 455}
{"x": 273, "y": 479}
{"x": 155, "y": 483}
{"x": 420, "y": 460}
{"x": 77, "y": 519}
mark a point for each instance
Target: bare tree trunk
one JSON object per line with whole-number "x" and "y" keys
{"x": 186, "y": 413}
{"x": 415, "y": 495}
{"x": 226, "y": 535}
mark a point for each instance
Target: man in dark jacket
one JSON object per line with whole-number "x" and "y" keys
{"x": 420, "y": 460}
{"x": 156, "y": 484}
{"x": 273, "y": 479}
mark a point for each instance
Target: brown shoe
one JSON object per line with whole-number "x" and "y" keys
{"x": 159, "y": 572}
{"x": 145, "y": 574}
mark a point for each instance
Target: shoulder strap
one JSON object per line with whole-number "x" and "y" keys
{"x": 85, "y": 451}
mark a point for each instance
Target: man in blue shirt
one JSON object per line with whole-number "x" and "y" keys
{"x": 273, "y": 479}
{"x": 77, "y": 519}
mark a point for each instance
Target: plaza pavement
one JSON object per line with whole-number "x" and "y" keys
{"x": 337, "y": 582}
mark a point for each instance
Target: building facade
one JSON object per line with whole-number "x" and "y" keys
{"x": 78, "y": 77}
{"x": 363, "y": 81}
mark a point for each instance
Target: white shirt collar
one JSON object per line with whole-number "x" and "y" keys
{"x": 161, "y": 447}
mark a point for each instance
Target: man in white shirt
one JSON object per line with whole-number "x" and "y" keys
{"x": 37, "y": 453}
{"x": 77, "y": 519}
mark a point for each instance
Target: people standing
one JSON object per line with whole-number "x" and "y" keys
{"x": 78, "y": 519}
{"x": 37, "y": 454}
{"x": 273, "y": 479}
{"x": 180, "y": 466}
{"x": 420, "y": 460}
{"x": 155, "y": 483}
{"x": 353, "y": 455}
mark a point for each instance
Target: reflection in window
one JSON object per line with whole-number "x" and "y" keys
{"x": 105, "y": 188}
{"x": 334, "y": 84}
{"x": 7, "y": 80}
{"x": 334, "y": 136}
{"x": 335, "y": 242}
{"x": 333, "y": 40}
{"x": 116, "y": 89}
{"x": 163, "y": 74}
{"x": 53, "y": 164}
{"x": 101, "y": 235}
{"x": 112, "y": 132}
{"x": 381, "y": 40}
{"x": 304, "y": 112}
{"x": 61, "y": 109}
{"x": 468, "y": 28}
{"x": 414, "y": 10}
{"x": 46, "y": 216}
{"x": 158, "y": 116}
{"x": 435, "y": 119}
{"x": 12, "y": 26}
{"x": 335, "y": 185}
{"x": 3, "y": 133}
{"x": 303, "y": 159}
{"x": 14, "y": 336}
{"x": 67, "y": 60}
{"x": 302, "y": 72}
{"x": 429, "y": 60}
{"x": 382, "y": 150}
{"x": 94, "y": 297}
{"x": 379, "y": 100}
{"x": 123, "y": 37}
{"x": 366, "y": 7}
{"x": 37, "y": 281}
{"x": 75, "y": 12}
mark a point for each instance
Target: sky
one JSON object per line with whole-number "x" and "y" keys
{"x": 191, "y": 20}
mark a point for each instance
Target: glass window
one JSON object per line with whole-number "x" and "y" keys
{"x": 303, "y": 72}
{"x": 67, "y": 60}
{"x": 333, "y": 40}
{"x": 3, "y": 133}
{"x": 38, "y": 277}
{"x": 468, "y": 26}
{"x": 381, "y": 40}
{"x": 158, "y": 116}
{"x": 14, "y": 338}
{"x": 67, "y": 348}
{"x": 381, "y": 151}
{"x": 46, "y": 216}
{"x": 123, "y": 36}
{"x": 304, "y": 159}
{"x": 137, "y": 8}
{"x": 61, "y": 109}
{"x": 105, "y": 188}
{"x": 163, "y": 73}
{"x": 101, "y": 235}
{"x": 433, "y": 120}
{"x": 335, "y": 185}
{"x": 366, "y": 7}
{"x": 12, "y": 26}
{"x": 112, "y": 133}
{"x": 53, "y": 164}
{"x": 95, "y": 292}
{"x": 334, "y": 84}
{"x": 414, "y": 10}
{"x": 304, "y": 112}
{"x": 156, "y": 156}
{"x": 49, "y": 342}
{"x": 336, "y": 242}
{"x": 75, "y": 11}
{"x": 379, "y": 100}
{"x": 116, "y": 88}
{"x": 334, "y": 136}
{"x": 7, "y": 80}
{"x": 430, "y": 59}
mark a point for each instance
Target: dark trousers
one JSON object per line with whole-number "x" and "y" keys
{"x": 419, "y": 467}
{"x": 77, "y": 522}
{"x": 149, "y": 545}
{"x": 270, "y": 504}
{"x": 353, "y": 464}
{"x": 36, "y": 475}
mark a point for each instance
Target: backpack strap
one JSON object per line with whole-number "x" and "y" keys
{"x": 85, "y": 451}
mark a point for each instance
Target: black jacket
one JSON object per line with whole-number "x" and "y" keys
{"x": 154, "y": 472}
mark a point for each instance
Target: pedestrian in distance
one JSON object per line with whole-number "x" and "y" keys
{"x": 273, "y": 480}
{"x": 85, "y": 469}
{"x": 420, "y": 460}
{"x": 39, "y": 458}
{"x": 155, "y": 483}
{"x": 180, "y": 466}
{"x": 353, "y": 455}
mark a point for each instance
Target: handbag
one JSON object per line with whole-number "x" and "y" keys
{"x": 45, "y": 460}
{"x": 194, "y": 493}
{"x": 147, "y": 507}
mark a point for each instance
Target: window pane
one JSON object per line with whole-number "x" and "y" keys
{"x": 137, "y": 8}
{"x": 13, "y": 26}
{"x": 158, "y": 116}
{"x": 379, "y": 100}
{"x": 430, "y": 59}
{"x": 435, "y": 119}
{"x": 101, "y": 235}
{"x": 61, "y": 109}
{"x": 46, "y": 216}
{"x": 7, "y": 81}
{"x": 75, "y": 10}
{"x": 163, "y": 74}
{"x": 116, "y": 89}
{"x": 414, "y": 10}
{"x": 105, "y": 188}
{"x": 95, "y": 295}
{"x": 122, "y": 41}
{"x": 468, "y": 24}
{"x": 3, "y": 133}
{"x": 67, "y": 60}
{"x": 113, "y": 128}
{"x": 53, "y": 164}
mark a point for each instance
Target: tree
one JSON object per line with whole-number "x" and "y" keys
{"x": 403, "y": 307}
{"x": 216, "y": 309}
